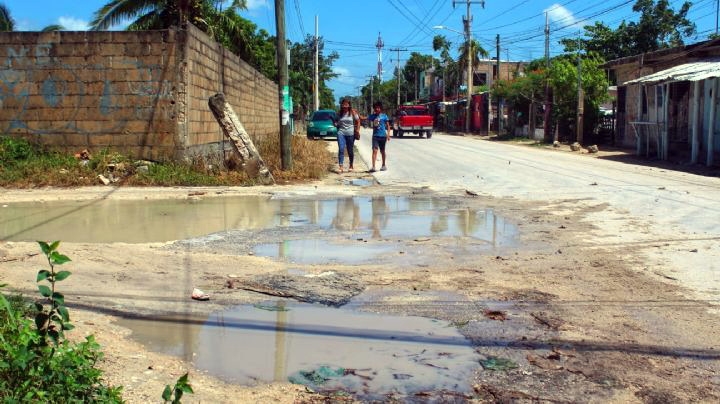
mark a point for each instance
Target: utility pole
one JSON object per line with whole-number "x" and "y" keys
{"x": 372, "y": 84}
{"x": 417, "y": 79}
{"x": 284, "y": 93}
{"x": 580, "y": 106}
{"x": 467, "y": 20}
{"x": 547, "y": 128}
{"x": 499, "y": 100}
{"x": 316, "y": 80}
{"x": 398, "y": 72}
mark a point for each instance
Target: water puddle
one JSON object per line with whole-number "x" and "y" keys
{"x": 106, "y": 221}
{"x": 312, "y": 251}
{"x": 359, "y": 182}
{"x": 368, "y": 355}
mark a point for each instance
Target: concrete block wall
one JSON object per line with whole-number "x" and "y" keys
{"x": 95, "y": 90}
{"x": 212, "y": 69}
{"x": 142, "y": 93}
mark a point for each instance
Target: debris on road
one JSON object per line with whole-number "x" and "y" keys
{"x": 198, "y": 294}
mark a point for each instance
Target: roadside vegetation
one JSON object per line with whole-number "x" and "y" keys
{"x": 26, "y": 165}
{"x": 37, "y": 362}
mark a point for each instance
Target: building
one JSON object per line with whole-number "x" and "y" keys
{"x": 667, "y": 102}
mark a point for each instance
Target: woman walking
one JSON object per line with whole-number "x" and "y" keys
{"x": 348, "y": 124}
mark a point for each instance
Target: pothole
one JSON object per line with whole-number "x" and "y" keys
{"x": 328, "y": 349}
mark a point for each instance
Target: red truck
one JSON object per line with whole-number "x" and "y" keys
{"x": 415, "y": 119}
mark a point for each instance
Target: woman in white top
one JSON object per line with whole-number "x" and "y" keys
{"x": 348, "y": 124}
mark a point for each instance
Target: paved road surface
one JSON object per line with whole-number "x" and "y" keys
{"x": 678, "y": 209}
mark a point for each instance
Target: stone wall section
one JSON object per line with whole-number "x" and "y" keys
{"x": 211, "y": 70}
{"x": 142, "y": 93}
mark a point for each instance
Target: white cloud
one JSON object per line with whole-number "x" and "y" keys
{"x": 562, "y": 16}
{"x": 73, "y": 24}
{"x": 256, "y": 4}
{"x": 343, "y": 75}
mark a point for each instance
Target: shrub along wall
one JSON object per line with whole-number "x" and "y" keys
{"x": 143, "y": 93}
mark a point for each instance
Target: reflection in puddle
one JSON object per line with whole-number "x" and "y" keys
{"x": 310, "y": 251}
{"x": 106, "y": 221}
{"x": 359, "y": 182}
{"x": 385, "y": 354}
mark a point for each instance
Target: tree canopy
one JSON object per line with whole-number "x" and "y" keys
{"x": 658, "y": 27}
{"x": 6, "y": 21}
{"x": 301, "y": 72}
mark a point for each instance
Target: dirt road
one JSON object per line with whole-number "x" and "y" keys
{"x": 580, "y": 307}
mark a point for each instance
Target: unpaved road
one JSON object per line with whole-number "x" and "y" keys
{"x": 608, "y": 296}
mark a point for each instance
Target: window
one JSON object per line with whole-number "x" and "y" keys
{"x": 479, "y": 79}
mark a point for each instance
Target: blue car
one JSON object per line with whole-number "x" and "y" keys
{"x": 322, "y": 124}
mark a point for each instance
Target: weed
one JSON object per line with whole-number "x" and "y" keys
{"x": 37, "y": 364}
{"x": 174, "y": 394}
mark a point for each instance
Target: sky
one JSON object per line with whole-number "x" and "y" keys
{"x": 352, "y": 27}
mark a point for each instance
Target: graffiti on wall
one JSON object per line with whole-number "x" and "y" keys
{"x": 41, "y": 93}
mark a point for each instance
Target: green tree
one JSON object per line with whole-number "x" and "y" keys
{"x": 562, "y": 76}
{"x": 301, "y": 72}
{"x": 6, "y": 21}
{"x": 160, "y": 14}
{"x": 658, "y": 27}
{"x": 416, "y": 64}
{"x": 475, "y": 52}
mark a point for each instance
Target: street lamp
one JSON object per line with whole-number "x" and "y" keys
{"x": 469, "y": 69}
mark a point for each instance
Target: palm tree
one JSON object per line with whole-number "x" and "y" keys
{"x": 161, "y": 14}
{"x": 6, "y": 21}
{"x": 475, "y": 51}
{"x": 8, "y": 24}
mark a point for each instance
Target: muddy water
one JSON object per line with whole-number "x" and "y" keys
{"x": 366, "y": 354}
{"x": 106, "y": 221}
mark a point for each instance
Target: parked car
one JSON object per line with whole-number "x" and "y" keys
{"x": 322, "y": 124}
{"x": 415, "y": 119}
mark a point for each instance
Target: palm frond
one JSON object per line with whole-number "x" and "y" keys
{"x": 6, "y": 21}
{"x": 118, "y": 11}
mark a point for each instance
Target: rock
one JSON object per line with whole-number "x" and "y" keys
{"x": 143, "y": 169}
{"x": 103, "y": 179}
{"x": 198, "y": 294}
{"x": 575, "y": 146}
{"x": 556, "y": 144}
{"x": 593, "y": 149}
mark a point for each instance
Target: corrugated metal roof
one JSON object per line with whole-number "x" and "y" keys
{"x": 694, "y": 71}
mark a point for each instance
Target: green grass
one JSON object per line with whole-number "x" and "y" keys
{"x": 26, "y": 165}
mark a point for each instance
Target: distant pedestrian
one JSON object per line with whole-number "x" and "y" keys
{"x": 381, "y": 134}
{"x": 348, "y": 124}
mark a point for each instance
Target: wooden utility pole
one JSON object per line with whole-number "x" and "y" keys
{"x": 467, "y": 20}
{"x": 497, "y": 77}
{"x": 284, "y": 93}
{"x": 398, "y": 72}
{"x": 372, "y": 84}
{"x": 316, "y": 75}
{"x": 579, "y": 118}
{"x": 547, "y": 117}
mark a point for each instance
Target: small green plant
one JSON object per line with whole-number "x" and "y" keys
{"x": 174, "y": 394}
{"x": 37, "y": 363}
{"x": 53, "y": 320}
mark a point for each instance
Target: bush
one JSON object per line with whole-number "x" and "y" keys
{"x": 37, "y": 363}
{"x": 13, "y": 150}
{"x": 31, "y": 371}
